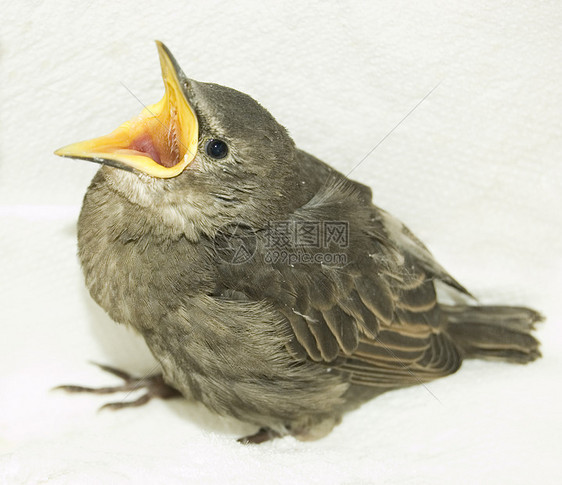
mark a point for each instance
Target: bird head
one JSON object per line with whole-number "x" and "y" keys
{"x": 204, "y": 153}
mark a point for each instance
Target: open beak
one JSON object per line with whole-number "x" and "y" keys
{"x": 160, "y": 142}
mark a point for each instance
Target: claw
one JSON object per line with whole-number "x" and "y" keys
{"x": 94, "y": 390}
{"x": 262, "y": 435}
{"x": 114, "y": 406}
{"x": 154, "y": 385}
{"x": 113, "y": 370}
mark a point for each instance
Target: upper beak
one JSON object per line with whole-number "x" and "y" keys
{"x": 161, "y": 141}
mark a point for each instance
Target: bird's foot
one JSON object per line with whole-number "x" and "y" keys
{"x": 154, "y": 385}
{"x": 261, "y": 436}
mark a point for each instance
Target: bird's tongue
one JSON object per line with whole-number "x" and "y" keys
{"x": 144, "y": 144}
{"x": 160, "y": 142}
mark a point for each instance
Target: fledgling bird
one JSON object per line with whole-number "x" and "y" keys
{"x": 266, "y": 284}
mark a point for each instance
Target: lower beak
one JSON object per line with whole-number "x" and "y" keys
{"x": 160, "y": 142}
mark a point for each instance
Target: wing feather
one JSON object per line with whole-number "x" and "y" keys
{"x": 375, "y": 316}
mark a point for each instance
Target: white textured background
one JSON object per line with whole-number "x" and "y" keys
{"x": 476, "y": 172}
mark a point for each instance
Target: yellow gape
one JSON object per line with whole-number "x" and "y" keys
{"x": 159, "y": 142}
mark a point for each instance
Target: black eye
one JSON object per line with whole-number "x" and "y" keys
{"x": 216, "y": 148}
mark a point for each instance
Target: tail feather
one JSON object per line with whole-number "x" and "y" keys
{"x": 494, "y": 332}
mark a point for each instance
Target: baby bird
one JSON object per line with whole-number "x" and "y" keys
{"x": 267, "y": 284}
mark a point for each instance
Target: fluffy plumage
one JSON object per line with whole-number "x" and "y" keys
{"x": 289, "y": 346}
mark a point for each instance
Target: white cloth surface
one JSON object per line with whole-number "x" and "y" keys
{"x": 475, "y": 171}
